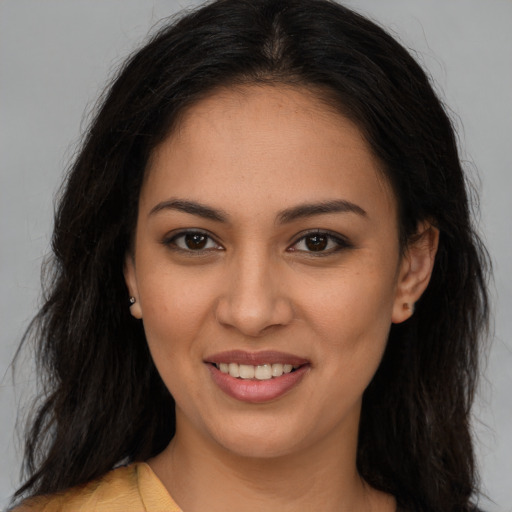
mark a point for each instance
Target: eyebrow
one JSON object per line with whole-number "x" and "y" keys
{"x": 192, "y": 208}
{"x": 283, "y": 217}
{"x": 311, "y": 209}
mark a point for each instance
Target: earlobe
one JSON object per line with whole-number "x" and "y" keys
{"x": 415, "y": 271}
{"x": 131, "y": 283}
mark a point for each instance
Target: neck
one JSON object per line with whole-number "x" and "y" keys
{"x": 201, "y": 475}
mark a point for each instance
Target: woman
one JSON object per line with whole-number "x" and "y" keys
{"x": 268, "y": 293}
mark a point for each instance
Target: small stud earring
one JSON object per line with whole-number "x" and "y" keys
{"x": 408, "y": 307}
{"x": 132, "y": 301}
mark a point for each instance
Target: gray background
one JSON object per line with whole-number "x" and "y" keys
{"x": 55, "y": 57}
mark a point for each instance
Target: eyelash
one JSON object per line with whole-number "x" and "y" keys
{"x": 339, "y": 242}
{"x": 171, "y": 242}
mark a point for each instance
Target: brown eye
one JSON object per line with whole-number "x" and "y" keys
{"x": 321, "y": 243}
{"x": 195, "y": 241}
{"x": 316, "y": 242}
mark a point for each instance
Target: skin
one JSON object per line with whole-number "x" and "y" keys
{"x": 253, "y": 152}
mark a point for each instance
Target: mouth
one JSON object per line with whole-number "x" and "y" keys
{"x": 256, "y": 377}
{"x": 264, "y": 371}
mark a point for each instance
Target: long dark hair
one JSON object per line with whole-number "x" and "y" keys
{"x": 103, "y": 402}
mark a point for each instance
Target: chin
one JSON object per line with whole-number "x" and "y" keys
{"x": 254, "y": 447}
{"x": 262, "y": 441}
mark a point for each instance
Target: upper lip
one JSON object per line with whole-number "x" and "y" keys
{"x": 256, "y": 358}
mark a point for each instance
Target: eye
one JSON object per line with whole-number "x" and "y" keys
{"x": 319, "y": 242}
{"x": 192, "y": 241}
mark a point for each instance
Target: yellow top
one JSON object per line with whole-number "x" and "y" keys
{"x": 133, "y": 488}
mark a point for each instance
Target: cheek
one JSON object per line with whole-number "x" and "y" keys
{"x": 354, "y": 301}
{"x": 352, "y": 318}
{"x": 171, "y": 315}
{"x": 177, "y": 309}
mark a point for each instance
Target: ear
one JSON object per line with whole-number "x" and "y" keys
{"x": 131, "y": 283}
{"x": 415, "y": 271}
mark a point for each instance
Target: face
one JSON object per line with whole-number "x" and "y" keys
{"x": 267, "y": 270}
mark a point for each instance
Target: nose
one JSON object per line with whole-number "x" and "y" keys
{"x": 254, "y": 299}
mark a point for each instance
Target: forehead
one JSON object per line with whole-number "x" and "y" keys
{"x": 275, "y": 144}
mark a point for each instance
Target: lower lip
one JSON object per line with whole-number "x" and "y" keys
{"x": 257, "y": 391}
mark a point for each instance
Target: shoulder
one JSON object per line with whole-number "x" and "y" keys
{"x": 118, "y": 490}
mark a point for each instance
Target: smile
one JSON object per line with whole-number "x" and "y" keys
{"x": 265, "y": 371}
{"x": 257, "y": 377}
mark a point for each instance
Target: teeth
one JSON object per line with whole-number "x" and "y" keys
{"x": 234, "y": 371}
{"x": 277, "y": 370}
{"x": 263, "y": 372}
{"x": 260, "y": 372}
{"x": 247, "y": 371}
